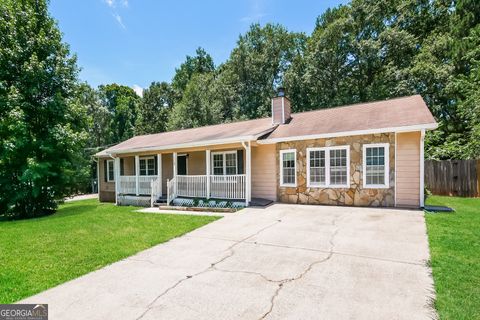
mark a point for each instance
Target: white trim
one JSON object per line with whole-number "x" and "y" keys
{"x": 116, "y": 170}
{"x": 192, "y": 144}
{"x": 159, "y": 172}
{"x": 327, "y": 167}
{"x": 281, "y": 167}
{"x": 422, "y": 169}
{"x": 428, "y": 126}
{"x": 108, "y": 170}
{"x": 174, "y": 164}
{"x": 186, "y": 161}
{"x": 207, "y": 171}
{"x": 309, "y": 185}
{"x": 137, "y": 174}
{"x": 386, "y": 164}
{"x": 283, "y": 110}
{"x": 395, "y": 172}
{"x": 224, "y": 159}
{"x": 248, "y": 172}
{"x": 145, "y": 158}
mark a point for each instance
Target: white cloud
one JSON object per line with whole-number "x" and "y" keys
{"x": 256, "y": 11}
{"x": 138, "y": 90}
{"x": 110, "y": 3}
{"x": 119, "y": 20}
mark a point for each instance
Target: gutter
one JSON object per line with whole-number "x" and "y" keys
{"x": 428, "y": 126}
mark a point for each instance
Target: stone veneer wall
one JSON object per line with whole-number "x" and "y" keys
{"x": 356, "y": 194}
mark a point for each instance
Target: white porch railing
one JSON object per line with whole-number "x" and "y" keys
{"x": 128, "y": 184}
{"x": 171, "y": 190}
{"x": 156, "y": 190}
{"x": 227, "y": 186}
{"x": 221, "y": 187}
{"x": 192, "y": 186}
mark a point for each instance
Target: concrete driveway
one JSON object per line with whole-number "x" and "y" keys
{"x": 282, "y": 262}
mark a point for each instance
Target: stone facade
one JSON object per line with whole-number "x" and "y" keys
{"x": 355, "y": 195}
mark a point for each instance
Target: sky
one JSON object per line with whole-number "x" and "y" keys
{"x": 136, "y": 42}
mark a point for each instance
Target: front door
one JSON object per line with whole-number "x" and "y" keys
{"x": 182, "y": 165}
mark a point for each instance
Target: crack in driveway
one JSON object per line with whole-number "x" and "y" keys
{"x": 210, "y": 268}
{"x": 310, "y": 266}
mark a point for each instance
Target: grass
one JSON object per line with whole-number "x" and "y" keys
{"x": 455, "y": 257}
{"x": 81, "y": 237}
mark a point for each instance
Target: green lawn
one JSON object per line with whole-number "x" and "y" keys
{"x": 82, "y": 236}
{"x": 455, "y": 257}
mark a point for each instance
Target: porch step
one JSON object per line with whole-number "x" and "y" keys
{"x": 160, "y": 201}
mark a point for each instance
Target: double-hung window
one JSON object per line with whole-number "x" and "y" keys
{"x": 110, "y": 171}
{"x": 147, "y": 166}
{"x": 328, "y": 167}
{"x": 316, "y": 167}
{"x": 375, "y": 165}
{"x": 224, "y": 163}
{"x": 288, "y": 168}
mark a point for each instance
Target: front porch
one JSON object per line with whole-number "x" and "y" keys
{"x": 222, "y": 174}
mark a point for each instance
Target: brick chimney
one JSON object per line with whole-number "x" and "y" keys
{"x": 280, "y": 108}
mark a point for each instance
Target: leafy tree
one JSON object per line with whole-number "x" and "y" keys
{"x": 199, "y": 105}
{"x": 98, "y": 117}
{"x": 41, "y": 128}
{"x": 121, "y": 102}
{"x": 201, "y": 63}
{"x": 256, "y": 67}
{"x": 154, "y": 109}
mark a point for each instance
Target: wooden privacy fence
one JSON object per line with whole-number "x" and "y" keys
{"x": 453, "y": 177}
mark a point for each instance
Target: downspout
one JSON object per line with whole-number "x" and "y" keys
{"x": 422, "y": 169}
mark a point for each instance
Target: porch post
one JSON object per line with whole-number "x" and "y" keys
{"x": 137, "y": 171}
{"x": 248, "y": 182}
{"x": 116, "y": 174}
{"x": 159, "y": 171}
{"x": 207, "y": 162}
{"x": 175, "y": 171}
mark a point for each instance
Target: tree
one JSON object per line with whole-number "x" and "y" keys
{"x": 199, "y": 105}
{"x": 41, "y": 128}
{"x": 98, "y": 117}
{"x": 201, "y": 63}
{"x": 121, "y": 102}
{"x": 256, "y": 67}
{"x": 155, "y": 108}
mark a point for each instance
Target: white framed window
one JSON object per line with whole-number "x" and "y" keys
{"x": 224, "y": 163}
{"x": 376, "y": 165}
{"x": 147, "y": 166}
{"x": 110, "y": 171}
{"x": 328, "y": 167}
{"x": 316, "y": 167}
{"x": 288, "y": 168}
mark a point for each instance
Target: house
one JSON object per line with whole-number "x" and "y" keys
{"x": 368, "y": 154}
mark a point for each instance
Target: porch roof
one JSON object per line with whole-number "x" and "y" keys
{"x": 202, "y": 136}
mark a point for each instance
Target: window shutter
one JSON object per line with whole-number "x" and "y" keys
{"x": 239, "y": 161}
{"x": 134, "y": 167}
{"x": 105, "y": 170}
{"x": 121, "y": 167}
{"x": 155, "y": 160}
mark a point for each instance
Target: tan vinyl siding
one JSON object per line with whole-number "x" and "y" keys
{"x": 129, "y": 166}
{"x": 107, "y": 189}
{"x": 408, "y": 169}
{"x": 264, "y": 172}
{"x": 196, "y": 163}
{"x": 167, "y": 170}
